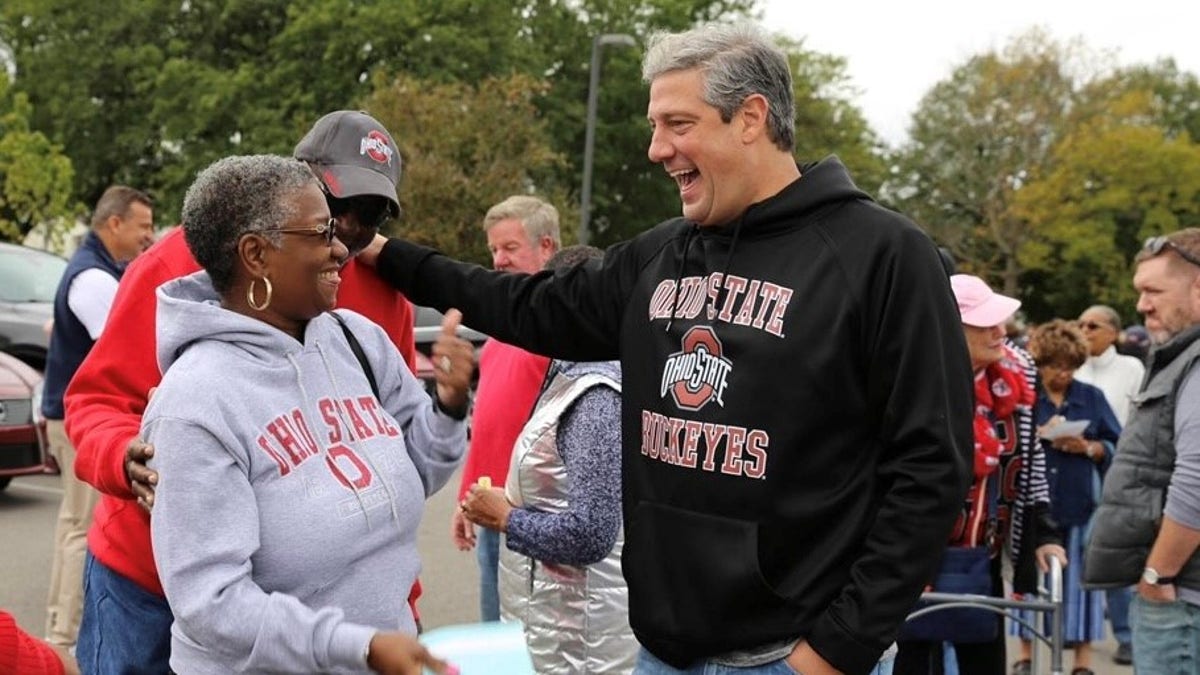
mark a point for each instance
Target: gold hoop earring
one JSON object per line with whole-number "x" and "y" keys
{"x": 250, "y": 295}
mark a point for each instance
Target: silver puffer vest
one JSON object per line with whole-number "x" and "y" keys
{"x": 1135, "y": 489}
{"x": 576, "y": 618}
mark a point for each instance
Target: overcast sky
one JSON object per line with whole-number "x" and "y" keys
{"x": 896, "y": 50}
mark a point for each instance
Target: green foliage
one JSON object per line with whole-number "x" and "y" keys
{"x": 89, "y": 70}
{"x": 148, "y": 92}
{"x": 827, "y": 122}
{"x": 977, "y": 139}
{"x": 1043, "y": 168}
{"x": 35, "y": 176}
{"x": 465, "y": 148}
{"x": 1170, "y": 97}
{"x": 1114, "y": 184}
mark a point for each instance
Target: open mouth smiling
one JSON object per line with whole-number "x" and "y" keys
{"x": 685, "y": 178}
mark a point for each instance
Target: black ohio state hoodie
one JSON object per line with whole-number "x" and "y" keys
{"x": 796, "y": 419}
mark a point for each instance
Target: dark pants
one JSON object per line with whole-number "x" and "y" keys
{"x": 925, "y": 658}
{"x": 126, "y": 630}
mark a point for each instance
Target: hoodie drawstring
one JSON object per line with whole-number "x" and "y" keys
{"x": 737, "y": 232}
{"x": 680, "y": 262}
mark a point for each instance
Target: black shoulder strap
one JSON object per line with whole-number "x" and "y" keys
{"x": 358, "y": 353}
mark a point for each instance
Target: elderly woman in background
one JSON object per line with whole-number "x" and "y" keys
{"x": 1075, "y": 462}
{"x": 295, "y": 448}
{"x": 560, "y": 512}
{"x": 1007, "y": 505}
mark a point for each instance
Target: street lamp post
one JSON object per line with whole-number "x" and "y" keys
{"x": 589, "y": 142}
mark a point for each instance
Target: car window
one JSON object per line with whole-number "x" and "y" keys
{"x": 427, "y": 316}
{"x": 28, "y": 275}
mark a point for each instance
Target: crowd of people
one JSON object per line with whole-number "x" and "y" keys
{"x": 744, "y": 441}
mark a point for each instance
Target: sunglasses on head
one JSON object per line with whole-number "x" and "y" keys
{"x": 1156, "y": 245}
{"x": 327, "y": 230}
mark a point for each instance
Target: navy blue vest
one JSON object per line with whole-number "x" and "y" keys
{"x": 69, "y": 340}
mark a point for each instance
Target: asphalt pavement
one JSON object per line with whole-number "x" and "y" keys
{"x": 29, "y": 506}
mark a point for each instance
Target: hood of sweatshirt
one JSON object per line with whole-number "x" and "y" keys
{"x": 189, "y": 311}
{"x": 821, "y": 185}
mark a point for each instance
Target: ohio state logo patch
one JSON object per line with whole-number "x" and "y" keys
{"x": 375, "y": 146}
{"x": 1000, "y": 388}
{"x": 698, "y": 372}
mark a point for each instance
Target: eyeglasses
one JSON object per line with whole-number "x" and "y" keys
{"x": 1092, "y": 325}
{"x": 328, "y": 230}
{"x": 1156, "y": 245}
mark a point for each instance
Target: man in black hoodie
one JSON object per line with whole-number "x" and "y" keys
{"x": 796, "y": 411}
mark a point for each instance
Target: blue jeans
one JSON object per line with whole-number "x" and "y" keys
{"x": 125, "y": 630}
{"x": 1117, "y": 600}
{"x": 487, "y": 552}
{"x": 648, "y": 664}
{"x": 1166, "y": 637}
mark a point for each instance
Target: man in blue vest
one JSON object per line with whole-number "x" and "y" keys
{"x": 122, "y": 227}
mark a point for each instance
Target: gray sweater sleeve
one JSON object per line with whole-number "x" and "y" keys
{"x": 1183, "y": 495}
{"x": 589, "y": 440}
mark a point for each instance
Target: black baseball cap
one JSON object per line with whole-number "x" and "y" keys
{"x": 353, "y": 155}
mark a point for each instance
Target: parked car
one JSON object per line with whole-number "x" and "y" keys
{"x": 427, "y": 323}
{"x": 22, "y": 428}
{"x": 28, "y": 281}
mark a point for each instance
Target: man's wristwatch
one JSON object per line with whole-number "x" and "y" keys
{"x": 1152, "y": 577}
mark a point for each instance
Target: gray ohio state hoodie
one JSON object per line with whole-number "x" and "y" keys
{"x": 285, "y": 521}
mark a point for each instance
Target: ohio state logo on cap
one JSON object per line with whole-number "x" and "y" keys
{"x": 375, "y": 146}
{"x": 698, "y": 373}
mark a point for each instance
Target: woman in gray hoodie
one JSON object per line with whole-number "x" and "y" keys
{"x": 294, "y": 447}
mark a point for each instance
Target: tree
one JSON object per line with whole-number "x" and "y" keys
{"x": 1173, "y": 96}
{"x": 629, "y": 193}
{"x": 827, "y": 122}
{"x": 148, "y": 92}
{"x": 465, "y": 148}
{"x": 89, "y": 72}
{"x": 35, "y": 176}
{"x": 977, "y": 139}
{"x": 1114, "y": 183}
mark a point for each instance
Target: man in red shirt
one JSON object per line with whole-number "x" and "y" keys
{"x": 522, "y": 234}
{"x": 126, "y": 620}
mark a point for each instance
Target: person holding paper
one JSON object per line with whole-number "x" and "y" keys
{"x": 559, "y": 513}
{"x": 1075, "y": 459}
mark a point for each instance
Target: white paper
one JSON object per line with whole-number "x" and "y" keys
{"x": 1065, "y": 429}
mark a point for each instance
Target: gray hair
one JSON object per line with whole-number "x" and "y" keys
{"x": 737, "y": 60}
{"x": 236, "y": 196}
{"x": 1110, "y": 315}
{"x": 539, "y": 217}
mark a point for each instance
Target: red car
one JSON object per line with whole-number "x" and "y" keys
{"x": 22, "y": 429}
